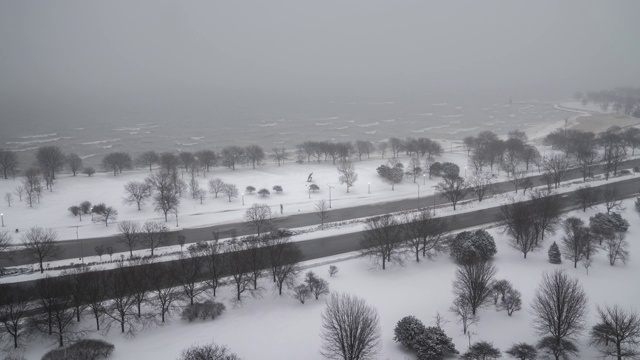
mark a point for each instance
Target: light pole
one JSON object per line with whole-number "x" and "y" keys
{"x": 309, "y": 190}
{"x": 81, "y": 248}
{"x": 2, "y": 216}
{"x": 418, "y": 185}
{"x": 368, "y": 188}
{"x": 465, "y": 171}
{"x": 330, "y": 187}
{"x": 243, "y": 199}
{"x": 424, "y": 179}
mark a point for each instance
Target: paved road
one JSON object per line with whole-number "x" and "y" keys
{"x": 75, "y": 248}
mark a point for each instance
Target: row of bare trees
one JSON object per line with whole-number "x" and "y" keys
{"x": 387, "y": 240}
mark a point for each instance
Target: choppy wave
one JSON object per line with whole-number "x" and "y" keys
{"x": 324, "y": 124}
{"x": 457, "y": 131}
{"x": 429, "y": 129}
{"x": 375, "y": 123}
{"x": 128, "y": 129}
{"x": 268, "y": 124}
{"x": 37, "y": 141}
{"x": 452, "y": 116}
{"x": 370, "y": 132}
{"x": 187, "y": 144}
{"x": 37, "y": 136}
{"x": 439, "y": 104}
{"x": 87, "y": 156}
{"x": 100, "y": 142}
{"x": 425, "y": 114}
{"x": 196, "y": 137}
{"x": 389, "y": 120}
{"x": 25, "y": 149}
{"x": 342, "y": 128}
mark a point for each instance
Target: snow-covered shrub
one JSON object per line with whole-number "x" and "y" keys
{"x": 408, "y": 329}
{"x": 210, "y": 351}
{"x": 471, "y": 246}
{"x": 434, "y": 344}
{"x": 554, "y": 254}
{"x": 604, "y": 226}
{"x": 482, "y": 351}
{"x": 523, "y": 351}
{"x": 202, "y": 310}
{"x": 87, "y": 349}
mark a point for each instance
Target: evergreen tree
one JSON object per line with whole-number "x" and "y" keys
{"x": 523, "y": 351}
{"x": 482, "y": 351}
{"x": 554, "y": 254}
{"x": 408, "y": 330}
{"x": 434, "y": 344}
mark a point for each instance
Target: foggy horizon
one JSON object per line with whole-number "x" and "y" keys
{"x": 79, "y": 58}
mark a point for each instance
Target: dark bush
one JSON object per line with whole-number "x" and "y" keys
{"x": 472, "y": 246}
{"x": 208, "y": 352}
{"x": 408, "y": 329}
{"x": 87, "y": 349}
{"x": 202, "y": 310}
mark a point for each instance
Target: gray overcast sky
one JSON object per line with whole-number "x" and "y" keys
{"x": 156, "y": 50}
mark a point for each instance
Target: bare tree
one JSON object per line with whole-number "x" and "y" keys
{"x": 32, "y": 185}
{"x": 166, "y": 292}
{"x": 350, "y": 329}
{"x": 511, "y": 301}
{"x": 317, "y": 285}
{"x": 117, "y": 161}
{"x": 259, "y": 217}
{"x": 560, "y": 308}
{"x": 348, "y": 175}
{"x": 5, "y": 245}
{"x": 209, "y": 351}
{"x": 110, "y": 251}
{"x": 481, "y": 184}
{"x": 576, "y": 239}
{"x": 617, "y": 333}
{"x": 364, "y": 147}
{"x": 452, "y": 189}
{"x": 153, "y": 234}
{"x": 230, "y": 191}
{"x": 322, "y": 211}
{"x": 166, "y": 199}
{"x": 148, "y": 158}
{"x": 473, "y": 283}
{"x": 232, "y": 155}
{"x": 78, "y": 287}
{"x": 238, "y": 267}
{"x": 612, "y": 200}
{"x": 425, "y": 234}
{"x": 121, "y": 309}
{"x": 215, "y": 264}
{"x": 587, "y": 197}
{"x": 130, "y": 232}
{"x": 519, "y": 179}
{"x": 186, "y": 271}
{"x": 19, "y": 190}
{"x": 546, "y": 213}
{"x": 139, "y": 275}
{"x": 14, "y": 306}
{"x": 8, "y": 162}
{"x": 216, "y": 186}
{"x": 105, "y": 215}
{"x": 516, "y": 218}
{"x": 50, "y": 159}
{"x": 8, "y": 197}
{"x": 463, "y": 311}
{"x": 75, "y": 163}
{"x": 617, "y": 248}
{"x": 557, "y": 167}
{"x": 255, "y": 154}
{"x": 380, "y": 240}
{"x": 301, "y": 293}
{"x": 283, "y": 257}
{"x": 279, "y": 154}
{"x": 96, "y": 295}
{"x": 136, "y": 192}
{"x": 40, "y": 244}
{"x": 59, "y": 313}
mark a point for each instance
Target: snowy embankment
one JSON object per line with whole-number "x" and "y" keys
{"x": 282, "y": 328}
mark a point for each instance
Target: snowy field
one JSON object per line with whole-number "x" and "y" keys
{"x": 274, "y": 327}
{"x": 52, "y": 211}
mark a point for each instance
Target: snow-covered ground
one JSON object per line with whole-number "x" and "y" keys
{"x": 274, "y": 327}
{"x": 52, "y": 211}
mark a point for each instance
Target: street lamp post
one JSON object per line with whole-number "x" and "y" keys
{"x": 309, "y": 190}
{"x": 243, "y": 199}
{"x": 465, "y": 171}
{"x": 2, "y": 216}
{"x": 330, "y": 187}
{"x": 418, "y": 185}
{"x": 368, "y": 188}
{"x": 424, "y": 179}
{"x": 81, "y": 247}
